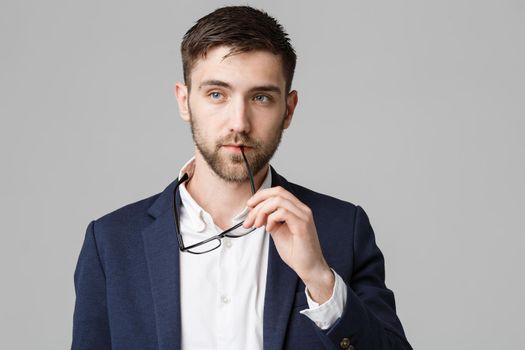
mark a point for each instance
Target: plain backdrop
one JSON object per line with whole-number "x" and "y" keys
{"x": 412, "y": 109}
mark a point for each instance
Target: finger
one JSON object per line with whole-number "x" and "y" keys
{"x": 257, "y": 216}
{"x": 262, "y": 195}
{"x": 281, "y": 216}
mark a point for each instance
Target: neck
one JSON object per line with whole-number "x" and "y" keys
{"x": 220, "y": 198}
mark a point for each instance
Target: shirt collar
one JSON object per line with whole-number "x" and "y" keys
{"x": 199, "y": 218}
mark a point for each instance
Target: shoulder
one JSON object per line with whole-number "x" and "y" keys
{"x": 321, "y": 203}
{"x": 339, "y": 223}
{"x": 127, "y": 219}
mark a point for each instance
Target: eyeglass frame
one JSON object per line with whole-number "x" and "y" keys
{"x": 217, "y": 237}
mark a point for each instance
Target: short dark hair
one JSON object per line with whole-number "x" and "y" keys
{"x": 243, "y": 29}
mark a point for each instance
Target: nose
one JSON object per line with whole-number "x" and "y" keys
{"x": 239, "y": 116}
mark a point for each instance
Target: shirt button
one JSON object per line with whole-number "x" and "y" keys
{"x": 225, "y": 299}
{"x": 227, "y": 243}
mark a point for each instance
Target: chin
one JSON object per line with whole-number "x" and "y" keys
{"x": 233, "y": 175}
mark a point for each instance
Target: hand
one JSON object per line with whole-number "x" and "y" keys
{"x": 291, "y": 224}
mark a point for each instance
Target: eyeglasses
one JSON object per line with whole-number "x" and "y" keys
{"x": 213, "y": 242}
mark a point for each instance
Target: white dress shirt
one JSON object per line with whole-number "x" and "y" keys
{"x": 222, "y": 292}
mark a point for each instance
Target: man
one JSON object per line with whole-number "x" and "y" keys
{"x": 231, "y": 255}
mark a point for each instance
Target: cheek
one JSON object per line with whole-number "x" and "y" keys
{"x": 208, "y": 113}
{"x": 270, "y": 114}
{"x": 268, "y": 132}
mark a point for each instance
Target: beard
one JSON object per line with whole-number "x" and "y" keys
{"x": 231, "y": 167}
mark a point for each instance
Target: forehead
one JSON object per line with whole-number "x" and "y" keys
{"x": 240, "y": 70}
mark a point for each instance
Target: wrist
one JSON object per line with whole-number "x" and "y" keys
{"x": 320, "y": 284}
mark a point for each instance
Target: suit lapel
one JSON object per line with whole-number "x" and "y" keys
{"x": 281, "y": 283}
{"x": 162, "y": 254}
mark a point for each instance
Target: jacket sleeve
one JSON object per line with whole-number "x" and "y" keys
{"x": 369, "y": 319}
{"x": 90, "y": 319}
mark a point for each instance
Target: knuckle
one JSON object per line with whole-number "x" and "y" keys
{"x": 308, "y": 210}
{"x": 276, "y": 201}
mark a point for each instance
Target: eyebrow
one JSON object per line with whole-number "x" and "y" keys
{"x": 214, "y": 83}
{"x": 265, "y": 88}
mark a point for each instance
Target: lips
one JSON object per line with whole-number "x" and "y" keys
{"x": 236, "y": 148}
{"x": 237, "y": 145}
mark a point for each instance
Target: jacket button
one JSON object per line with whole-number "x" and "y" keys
{"x": 345, "y": 344}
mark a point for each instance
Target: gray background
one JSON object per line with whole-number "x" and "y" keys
{"x": 413, "y": 109}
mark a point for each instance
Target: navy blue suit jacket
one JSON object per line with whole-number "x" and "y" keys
{"x": 127, "y": 281}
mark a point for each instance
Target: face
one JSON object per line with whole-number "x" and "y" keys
{"x": 234, "y": 101}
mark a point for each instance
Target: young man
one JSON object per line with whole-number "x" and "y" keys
{"x": 231, "y": 255}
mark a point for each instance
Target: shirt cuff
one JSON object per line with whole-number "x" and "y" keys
{"x": 325, "y": 315}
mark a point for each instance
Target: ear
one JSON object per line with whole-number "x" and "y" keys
{"x": 181, "y": 93}
{"x": 291, "y": 103}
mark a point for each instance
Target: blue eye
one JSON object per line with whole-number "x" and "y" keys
{"x": 215, "y": 95}
{"x": 262, "y": 98}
